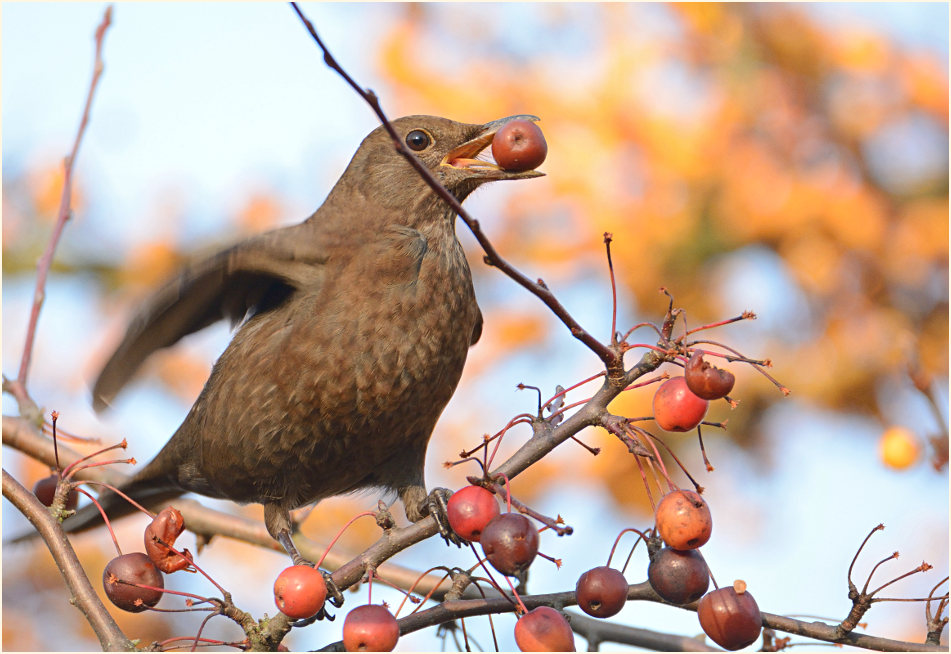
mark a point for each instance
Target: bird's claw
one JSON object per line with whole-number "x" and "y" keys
{"x": 438, "y": 503}
{"x": 334, "y": 596}
{"x": 320, "y": 615}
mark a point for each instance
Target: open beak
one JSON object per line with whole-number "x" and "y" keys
{"x": 464, "y": 156}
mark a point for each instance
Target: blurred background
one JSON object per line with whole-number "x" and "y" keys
{"x": 787, "y": 159}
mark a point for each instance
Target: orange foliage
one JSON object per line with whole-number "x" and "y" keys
{"x": 46, "y": 190}
{"x": 149, "y": 264}
{"x": 743, "y": 126}
{"x": 261, "y": 211}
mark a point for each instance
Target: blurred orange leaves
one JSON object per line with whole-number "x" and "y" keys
{"x": 733, "y": 125}
{"x": 46, "y": 190}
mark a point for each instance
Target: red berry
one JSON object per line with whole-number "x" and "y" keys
{"x": 543, "y": 629}
{"x": 45, "y": 490}
{"x": 510, "y": 542}
{"x": 676, "y": 408}
{"x": 683, "y": 520}
{"x": 705, "y": 380}
{"x": 730, "y": 616}
{"x": 678, "y": 576}
{"x": 370, "y": 628}
{"x": 470, "y": 510}
{"x": 519, "y": 145}
{"x": 601, "y": 592}
{"x": 134, "y": 568}
{"x": 300, "y": 591}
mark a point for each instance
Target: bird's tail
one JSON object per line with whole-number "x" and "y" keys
{"x": 149, "y": 492}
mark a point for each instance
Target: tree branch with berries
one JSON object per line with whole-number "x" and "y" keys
{"x": 500, "y": 529}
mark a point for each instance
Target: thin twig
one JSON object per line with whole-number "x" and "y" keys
{"x": 608, "y": 355}
{"x": 43, "y": 266}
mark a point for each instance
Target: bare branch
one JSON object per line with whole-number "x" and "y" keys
{"x": 43, "y": 266}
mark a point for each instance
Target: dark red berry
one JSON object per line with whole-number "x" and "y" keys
{"x": 676, "y": 408}
{"x": 160, "y": 536}
{"x": 519, "y": 145}
{"x": 543, "y": 629}
{"x": 730, "y": 616}
{"x": 470, "y": 510}
{"x": 683, "y": 520}
{"x": 370, "y": 628}
{"x": 45, "y": 491}
{"x": 300, "y": 591}
{"x": 510, "y": 542}
{"x": 134, "y": 568}
{"x": 601, "y": 592}
{"x": 679, "y": 576}
{"x": 706, "y": 381}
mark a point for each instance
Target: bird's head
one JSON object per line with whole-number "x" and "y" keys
{"x": 450, "y": 150}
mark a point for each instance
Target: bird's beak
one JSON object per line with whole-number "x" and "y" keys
{"x": 464, "y": 156}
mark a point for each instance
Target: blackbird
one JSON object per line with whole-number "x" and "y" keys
{"x": 353, "y": 330}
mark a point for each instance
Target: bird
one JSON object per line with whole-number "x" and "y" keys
{"x": 351, "y": 332}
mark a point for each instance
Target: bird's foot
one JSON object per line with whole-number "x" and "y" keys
{"x": 438, "y": 504}
{"x": 335, "y": 597}
{"x": 284, "y": 538}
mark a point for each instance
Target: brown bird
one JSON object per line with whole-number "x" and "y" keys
{"x": 354, "y": 328}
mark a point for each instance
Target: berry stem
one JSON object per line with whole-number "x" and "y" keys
{"x": 746, "y": 315}
{"x": 340, "y": 533}
{"x": 564, "y": 391}
{"x": 607, "y": 247}
{"x": 105, "y": 518}
{"x": 71, "y": 468}
{"x": 878, "y": 527}
{"x": 640, "y": 537}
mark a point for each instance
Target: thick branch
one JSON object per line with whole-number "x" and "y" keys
{"x": 206, "y": 522}
{"x": 84, "y": 596}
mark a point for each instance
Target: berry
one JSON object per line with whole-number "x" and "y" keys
{"x": 601, "y": 592}
{"x": 510, "y": 542}
{"x": 683, "y": 520}
{"x": 519, "y": 145}
{"x": 370, "y": 628}
{"x": 470, "y": 509}
{"x": 134, "y": 568}
{"x": 678, "y": 576}
{"x": 898, "y": 448}
{"x": 730, "y": 616}
{"x": 543, "y": 629}
{"x": 300, "y": 591}
{"x": 676, "y": 408}
{"x": 706, "y": 381}
{"x": 45, "y": 490}
{"x": 160, "y": 536}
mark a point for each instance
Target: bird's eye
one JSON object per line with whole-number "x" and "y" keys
{"x": 418, "y": 140}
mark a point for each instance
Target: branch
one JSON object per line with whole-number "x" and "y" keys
{"x": 205, "y": 522}
{"x": 43, "y": 266}
{"x": 827, "y": 633}
{"x": 84, "y": 597}
{"x": 611, "y": 358}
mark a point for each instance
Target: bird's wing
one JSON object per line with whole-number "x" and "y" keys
{"x": 254, "y": 275}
